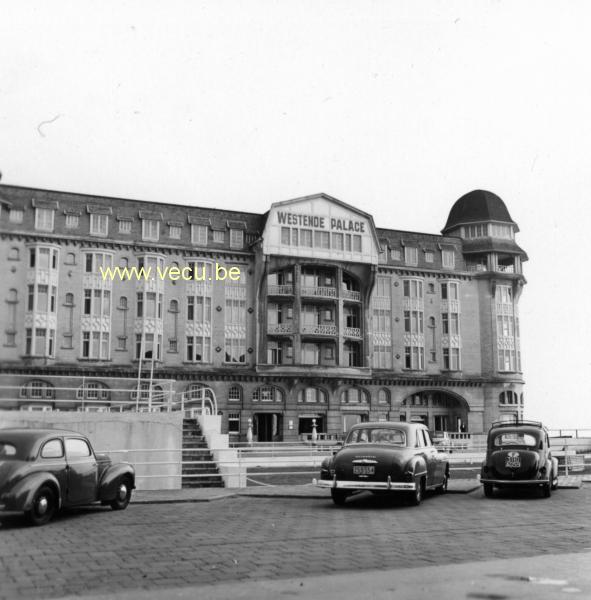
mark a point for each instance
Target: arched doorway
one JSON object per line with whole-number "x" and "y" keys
{"x": 438, "y": 410}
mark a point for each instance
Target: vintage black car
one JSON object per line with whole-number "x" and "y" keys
{"x": 385, "y": 457}
{"x": 43, "y": 470}
{"x": 518, "y": 454}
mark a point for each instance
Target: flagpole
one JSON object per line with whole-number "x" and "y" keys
{"x": 139, "y": 368}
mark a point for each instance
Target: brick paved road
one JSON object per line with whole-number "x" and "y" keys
{"x": 147, "y": 546}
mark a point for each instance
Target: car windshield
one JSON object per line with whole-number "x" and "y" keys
{"x": 7, "y": 451}
{"x": 377, "y": 435}
{"x": 515, "y": 438}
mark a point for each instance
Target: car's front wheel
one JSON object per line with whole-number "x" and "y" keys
{"x": 488, "y": 489}
{"x": 123, "y": 496}
{"x": 338, "y": 496}
{"x": 44, "y": 506}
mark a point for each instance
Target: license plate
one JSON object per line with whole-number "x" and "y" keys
{"x": 363, "y": 470}
{"x": 513, "y": 460}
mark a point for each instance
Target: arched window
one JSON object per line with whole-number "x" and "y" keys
{"x": 267, "y": 393}
{"x": 312, "y": 394}
{"x": 195, "y": 391}
{"x": 12, "y": 295}
{"x": 158, "y": 394}
{"x": 93, "y": 390}
{"x": 383, "y": 396}
{"x": 69, "y": 299}
{"x": 123, "y": 302}
{"x": 123, "y": 262}
{"x": 508, "y": 397}
{"x": 174, "y": 306}
{"x": 37, "y": 389}
{"x": 354, "y": 396}
{"x": 13, "y": 254}
{"x": 235, "y": 393}
{"x": 70, "y": 259}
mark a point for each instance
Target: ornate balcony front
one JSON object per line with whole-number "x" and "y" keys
{"x": 319, "y": 330}
{"x": 279, "y": 328}
{"x": 319, "y": 292}
{"x": 280, "y": 290}
{"x": 352, "y": 332}
{"x": 352, "y": 295}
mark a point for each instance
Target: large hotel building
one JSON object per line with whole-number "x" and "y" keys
{"x": 331, "y": 320}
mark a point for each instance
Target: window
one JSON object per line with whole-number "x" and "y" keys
{"x": 95, "y": 345}
{"x": 37, "y": 389}
{"x": 234, "y": 423}
{"x": 501, "y": 231}
{"x": 448, "y": 259}
{"x": 395, "y": 254}
{"x": 44, "y": 219}
{"x": 338, "y": 242}
{"x": 198, "y": 349}
{"x": 383, "y": 287}
{"x": 199, "y": 234}
{"x": 449, "y": 291}
{"x": 174, "y": 232}
{"x": 411, "y": 255}
{"x": 70, "y": 259}
{"x": 235, "y": 393}
{"x": 322, "y": 239}
{"x": 95, "y": 261}
{"x": 77, "y": 448}
{"x": 352, "y": 354}
{"x": 236, "y": 238}
{"x": 93, "y": 390}
{"x": 354, "y": 396}
{"x": 125, "y": 226}
{"x": 383, "y": 396}
{"x": 235, "y": 350}
{"x": 219, "y": 236}
{"x": 13, "y": 254}
{"x": 306, "y": 238}
{"x": 310, "y": 354}
{"x": 475, "y": 231}
{"x": 267, "y": 393}
{"x": 52, "y": 449}
{"x": 279, "y": 351}
{"x": 356, "y": 243}
{"x": 451, "y": 359}
{"x": 413, "y": 321}
{"x": 16, "y": 215}
{"x": 382, "y": 357}
{"x": 429, "y": 256}
{"x": 312, "y": 395}
{"x": 99, "y": 224}
{"x": 412, "y": 288}
{"x": 414, "y": 358}
{"x": 150, "y": 230}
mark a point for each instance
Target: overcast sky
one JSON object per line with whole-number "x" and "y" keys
{"x": 398, "y": 108}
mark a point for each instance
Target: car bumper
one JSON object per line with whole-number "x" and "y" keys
{"x": 365, "y": 485}
{"x": 519, "y": 482}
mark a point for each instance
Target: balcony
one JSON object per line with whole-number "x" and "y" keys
{"x": 319, "y": 292}
{"x": 352, "y": 332}
{"x": 319, "y": 329}
{"x": 279, "y": 328}
{"x": 352, "y": 295}
{"x": 280, "y": 290}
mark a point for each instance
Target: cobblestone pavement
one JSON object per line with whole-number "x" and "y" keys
{"x": 96, "y": 550}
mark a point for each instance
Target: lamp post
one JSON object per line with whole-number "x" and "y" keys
{"x": 314, "y": 432}
{"x": 249, "y": 432}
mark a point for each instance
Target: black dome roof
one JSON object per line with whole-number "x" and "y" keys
{"x": 477, "y": 205}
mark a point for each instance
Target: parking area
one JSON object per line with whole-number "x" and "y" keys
{"x": 151, "y": 546}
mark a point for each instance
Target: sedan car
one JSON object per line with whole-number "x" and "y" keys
{"x": 44, "y": 470}
{"x": 385, "y": 457}
{"x": 518, "y": 454}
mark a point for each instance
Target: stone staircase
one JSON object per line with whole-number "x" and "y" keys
{"x": 198, "y": 469}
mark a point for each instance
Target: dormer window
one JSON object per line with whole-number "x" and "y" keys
{"x": 237, "y": 238}
{"x": 150, "y": 230}
{"x": 199, "y": 234}
{"x": 16, "y": 215}
{"x": 99, "y": 224}
{"x": 448, "y": 259}
{"x": 475, "y": 231}
{"x": 44, "y": 219}
{"x": 411, "y": 255}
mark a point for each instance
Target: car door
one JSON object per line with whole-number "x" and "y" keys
{"x": 82, "y": 471}
{"x": 53, "y": 460}
{"x": 431, "y": 458}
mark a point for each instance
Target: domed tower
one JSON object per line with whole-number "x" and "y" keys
{"x": 495, "y": 261}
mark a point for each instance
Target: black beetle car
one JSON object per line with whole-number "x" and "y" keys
{"x": 385, "y": 457}
{"x": 43, "y": 470}
{"x": 518, "y": 454}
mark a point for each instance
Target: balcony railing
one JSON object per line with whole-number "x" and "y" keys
{"x": 352, "y": 332}
{"x": 352, "y": 295}
{"x": 319, "y": 329}
{"x": 506, "y": 268}
{"x": 498, "y": 268}
{"x": 319, "y": 292}
{"x": 280, "y": 328}
{"x": 280, "y": 290}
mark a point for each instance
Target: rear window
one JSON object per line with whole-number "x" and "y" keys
{"x": 7, "y": 451}
{"x": 514, "y": 438}
{"x": 377, "y": 435}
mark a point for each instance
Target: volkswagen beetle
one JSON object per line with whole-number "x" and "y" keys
{"x": 385, "y": 457}
{"x": 44, "y": 470}
{"x": 518, "y": 454}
